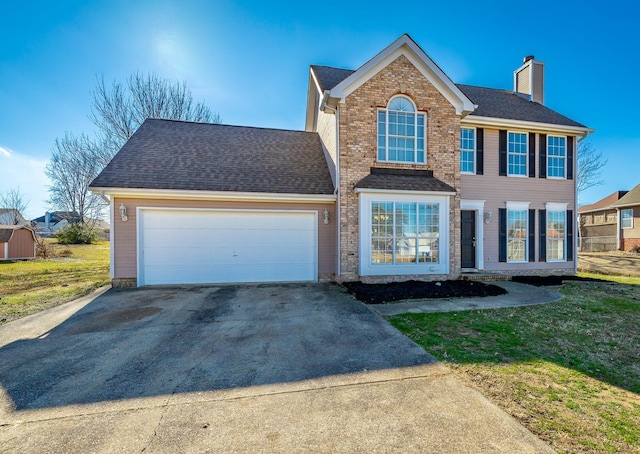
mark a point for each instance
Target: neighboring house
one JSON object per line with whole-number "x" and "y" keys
{"x": 11, "y": 216}
{"x": 401, "y": 174}
{"x": 17, "y": 242}
{"x": 629, "y": 219}
{"x": 50, "y": 223}
{"x": 599, "y": 224}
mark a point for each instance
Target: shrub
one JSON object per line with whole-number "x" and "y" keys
{"x": 66, "y": 252}
{"x": 43, "y": 249}
{"x": 77, "y": 234}
{"x": 635, "y": 248}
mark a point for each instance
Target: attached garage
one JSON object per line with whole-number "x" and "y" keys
{"x": 200, "y": 246}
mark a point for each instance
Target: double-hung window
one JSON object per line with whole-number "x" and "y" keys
{"x": 467, "y": 150}
{"x": 626, "y": 219}
{"x": 517, "y": 154}
{"x": 556, "y": 157}
{"x": 401, "y": 132}
{"x": 556, "y": 235}
{"x": 517, "y": 234}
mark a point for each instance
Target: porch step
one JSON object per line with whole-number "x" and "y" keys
{"x": 480, "y": 276}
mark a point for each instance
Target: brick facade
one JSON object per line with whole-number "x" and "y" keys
{"x": 358, "y": 152}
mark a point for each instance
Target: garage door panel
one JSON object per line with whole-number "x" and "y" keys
{"x": 184, "y": 246}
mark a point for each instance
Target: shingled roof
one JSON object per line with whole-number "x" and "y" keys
{"x": 167, "y": 154}
{"x": 403, "y": 180}
{"x": 631, "y": 198}
{"x": 491, "y": 102}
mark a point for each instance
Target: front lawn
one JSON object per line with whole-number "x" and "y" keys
{"x": 569, "y": 371}
{"x": 27, "y": 287}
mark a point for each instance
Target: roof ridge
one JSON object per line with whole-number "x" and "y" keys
{"x": 227, "y": 125}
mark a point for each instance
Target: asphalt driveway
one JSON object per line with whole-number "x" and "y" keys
{"x": 289, "y": 367}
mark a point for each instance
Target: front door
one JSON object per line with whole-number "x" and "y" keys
{"x": 468, "y": 239}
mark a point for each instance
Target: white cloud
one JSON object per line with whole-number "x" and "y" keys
{"x": 19, "y": 171}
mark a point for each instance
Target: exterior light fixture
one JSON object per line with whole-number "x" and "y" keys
{"x": 326, "y": 216}
{"x": 123, "y": 212}
{"x": 487, "y": 217}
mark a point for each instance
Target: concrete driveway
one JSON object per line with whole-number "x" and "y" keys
{"x": 286, "y": 368}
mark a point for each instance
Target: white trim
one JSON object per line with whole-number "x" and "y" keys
{"x": 214, "y": 195}
{"x": 474, "y": 151}
{"x": 622, "y": 226}
{"x": 392, "y": 191}
{"x": 478, "y": 207}
{"x": 505, "y": 123}
{"x": 566, "y": 157}
{"x": 526, "y": 159}
{"x": 552, "y": 207}
{"x": 140, "y": 230}
{"x": 6, "y": 249}
{"x": 338, "y": 193}
{"x": 518, "y": 206}
{"x": 416, "y": 115}
{"x": 112, "y": 253}
{"x": 365, "y": 268}
{"x": 407, "y": 47}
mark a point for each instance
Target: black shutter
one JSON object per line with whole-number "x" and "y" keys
{"x": 479, "y": 151}
{"x": 532, "y": 235}
{"x": 543, "y": 235}
{"x": 502, "y": 237}
{"x": 569, "y": 228}
{"x": 543, "y": 156}
{"x": 502, "y": 144}
{"x": 570, "y": 158}
{"x": 532, "y": 155}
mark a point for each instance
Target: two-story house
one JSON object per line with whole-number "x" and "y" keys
{"x": 400, "y": 174}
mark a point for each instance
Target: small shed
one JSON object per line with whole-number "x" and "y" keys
{"x": 17, "y": 242}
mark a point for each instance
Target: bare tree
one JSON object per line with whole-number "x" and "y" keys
{"x": 75, "y": 162}
{"x": 14, "y": 200}
{"x": 590, "y": 164}
{"x": 118, "y": 111}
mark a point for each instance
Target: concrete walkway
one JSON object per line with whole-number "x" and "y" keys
{"x": 222, "y": 370}
{"x": 517, "y": 295}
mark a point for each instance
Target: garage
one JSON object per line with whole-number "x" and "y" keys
{"x": 200, "y": 246}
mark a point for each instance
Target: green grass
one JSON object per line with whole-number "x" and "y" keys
{"x": 569, "y": 371}
{"x": 27, "y": 287}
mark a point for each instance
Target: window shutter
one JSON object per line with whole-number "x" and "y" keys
{"x": 532, "y": 235}
{"x": 569, "y": 228}
{"x": 543, "y": 156}
{"x": 502, "y": 237}
{"x": 502, "y": 143}
{"x": 532, "y": 155}
{"x": 543, "y": 235}
{"x": 479, "y": 151}
{"x": 570, "y": 158}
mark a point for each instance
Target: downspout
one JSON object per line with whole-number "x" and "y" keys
{"x": 618, "y": 228}
{"x": 337, "y": 189}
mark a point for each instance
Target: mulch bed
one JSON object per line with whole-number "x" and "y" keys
{"x": 543, "y": 281}
{"x": 395, "y": 291}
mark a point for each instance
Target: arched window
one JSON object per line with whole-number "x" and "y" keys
{"x": 401, "y": 132}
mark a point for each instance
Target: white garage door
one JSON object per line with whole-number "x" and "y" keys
{"x": 215, "y": 246}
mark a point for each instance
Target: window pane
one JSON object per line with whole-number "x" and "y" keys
{"x": 406, "y": 250}
{"x": 626, "y": 219}
{"x": 556, "y": 235}
{"x": 517, "y": 153}
{"x": 556, "y": 153}
{"x": 517, "y": 235}
{"x": 381, "y": 232}
{"x": 382, "y": 135}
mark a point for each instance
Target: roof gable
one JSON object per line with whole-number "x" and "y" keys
{"x": 6, "y": 232}
{"x": 407, "y": 47}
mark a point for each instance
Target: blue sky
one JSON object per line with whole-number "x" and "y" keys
{"x": 248, "y": 60}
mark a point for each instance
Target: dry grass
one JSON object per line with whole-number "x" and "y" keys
{"x": 27, "y": 287}
{"x": 569, "y": 371}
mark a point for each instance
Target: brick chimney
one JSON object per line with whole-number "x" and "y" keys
{"x": 529, "y": 79}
